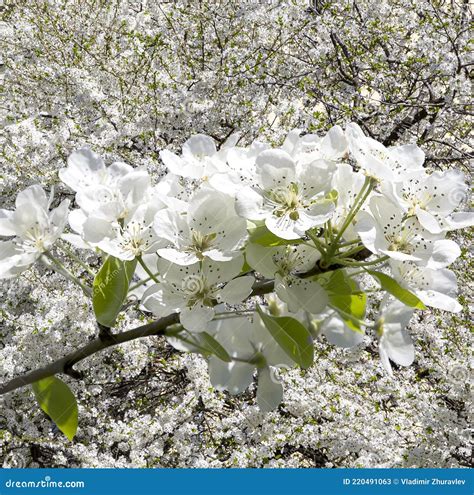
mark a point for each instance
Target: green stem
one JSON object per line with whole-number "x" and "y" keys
{"x": 321, "y": 247}
{"x": 354, "y": 274}
{"x": 147, "y": 270}
{"x": 358, "y": 203}
{"x": 60, "y": 268}
{"x": 364, "y": 323}
{"x": 362, "y": 263}
{"x": 139, "y": 284}
{"x": 329, "y": 229}
{"x": 349, "y": 243}
{"x": 232, "y": 314}
{"x": 350, "y": 252}
{"x": 76, "y": 259}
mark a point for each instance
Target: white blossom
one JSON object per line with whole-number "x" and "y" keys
{"x": 32, "y": 228}
{"x": 395, "y": 343}
{"x": 290, "y": 197}
{"x": 193, "y": 290}
{"x": 436, "y": 288}
{"x": 209, "y": 228}
{"x": 385, "y": 231}
{"x": 285, "y": 264}
{"x": 433, "y": 199}
{"x": 249, "y": 340}
{"x": 199, "y": 160}
{"x": 384, "y": 164}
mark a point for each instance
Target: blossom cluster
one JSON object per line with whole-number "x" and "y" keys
{"x": 303, "y": 223}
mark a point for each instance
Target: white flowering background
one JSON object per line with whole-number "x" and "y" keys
{"x": 129, "y": 79}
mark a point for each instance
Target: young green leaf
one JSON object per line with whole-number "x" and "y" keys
{"x": 292, "y": 337}
{"x": 58, "y": 402}
{"x": 259, "y": 234}
{"x": 110, "y": 289}
{"x": 208, "y": 343}
{"x": 350, "y": 307}
{"x": 339, "y": 283}
{"x": 393, "y": 287}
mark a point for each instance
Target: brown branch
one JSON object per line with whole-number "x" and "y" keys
{"x": 66, "y": 364}
{"x": 410, "y": 121}
{"x": 107, "y": 339}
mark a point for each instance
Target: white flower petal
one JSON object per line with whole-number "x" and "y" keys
{"x": 249, "y": 204}
{"x": 334, "y": 144}
{"x": 260, "y": 258}
{"x": 339, "y": 334}
{"x": 152, "y": 300}
{"x": 198, "y": 146}
{"x": 459, "y": 220}
{"x": 303, "y": 294}
{"x": 233, "y": 377}
{"x": 197, "y": 318}
{"x": 178, "y": 257}
{"x": 394, "y": 339}
{"x": 398, "y": 345}
{"x": 85, "y": 168}
{"x": 444, "y": 253}
{"x": 283, "y": 227}
{"x": 76, "y": 241}
{"x": 428, "y": 221}
{"x": 97, "y": 229}
{"x": 237, "y": 290}
{"x": 269, "y": 390}
{"x": 439, "y": 300}
{"x": 385, "y": 360}
{"x": 219, "y": 372}
{"x": 218, "y": 273}
{"x": 174, "y": 163}
{"x": 33, "y": 195}
{"x": 76, "y": 220}
{"x": 7, "y": 227}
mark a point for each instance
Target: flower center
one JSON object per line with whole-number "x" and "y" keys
{"x": 401, "y": 245}
{"x": 201, "y": 242}
{"x": 133, "y": 239}
{"x": 285, "y": 201}
{"x": 197, "y": 289}
{"x": 416, "y": 201}
{"x": 287, "y": 261}
{"x": 35, "y": 240}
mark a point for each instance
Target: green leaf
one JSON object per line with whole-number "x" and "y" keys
{"x": 208, "y": 344}
{"x": 58, "y": 402}
{"x": 259, "y": 234}
{"x": 292, "y": 337}
{"x": 339, "y": 283}
{"x": 110, "y": 289}
{"x": 394, "y": 288}
{"x": 246, "y": 268}
{"x": 345, "y": 297}
{"x": 350, "y": 307}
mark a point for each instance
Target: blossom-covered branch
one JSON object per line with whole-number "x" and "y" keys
{"x": 298, "y": 223}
